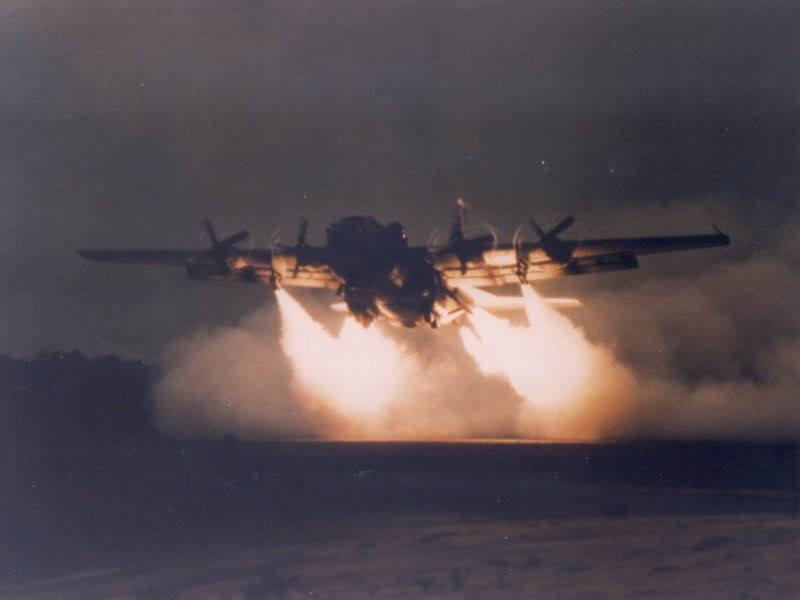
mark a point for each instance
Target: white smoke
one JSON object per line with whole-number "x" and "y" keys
{"x": 366, "y": 383}
{"x": 235, "y": 380}
{"x": 706, "y": 346}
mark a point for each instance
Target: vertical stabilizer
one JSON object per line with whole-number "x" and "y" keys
{"x": 457, "y": 230}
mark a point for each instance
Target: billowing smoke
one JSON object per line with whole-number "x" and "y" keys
{"x": 717, "y": 353}
{"x": 235, "y": 380}
{"x": 357, "y": 372}
{"x": 713, "y": 337}
{"x": 707, "y": 345}
{"x": 571, "y": 387}
{"x": 287, "y": 375}
{"x": 543, "y": 379}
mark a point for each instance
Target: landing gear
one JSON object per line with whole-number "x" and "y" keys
{"x": 522, "y": 268}
{"x": 431, "y": 318}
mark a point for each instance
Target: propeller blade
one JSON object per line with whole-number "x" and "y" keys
{"x": 536, "y": 228}
{"x": 220, "y": 249}
{"x": 237, "y": 237}
{"x": 211, "y": 234}
{"x": 516, "y": 240}
{"x": 434, "y": 238}
{"x": 565, "y": 224}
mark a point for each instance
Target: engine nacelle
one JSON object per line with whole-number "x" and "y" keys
{"x": 206, "y": 269}
{"x": 238, "y": 271}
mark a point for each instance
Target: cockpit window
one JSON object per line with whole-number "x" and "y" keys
{"x": 355, "y": 231}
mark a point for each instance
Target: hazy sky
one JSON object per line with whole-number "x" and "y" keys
{"x": 124, "y": 124}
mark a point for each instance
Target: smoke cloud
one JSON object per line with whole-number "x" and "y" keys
{"x": 714, "y": 342}
{"x": 549, "y": 381}
{"x": 726, "y": 356}
{"x": 273, "y": 378}
{"x": 235, "y": 380}
{"x": 706, "y": 348}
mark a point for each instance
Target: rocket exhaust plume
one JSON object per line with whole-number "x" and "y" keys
{"x": 570, "y": 387}
{"x": 487, "y": 363}
{"x": 358, "y": 373}
{"x": 569, "y": 384}
{"x": 542, "y": 380}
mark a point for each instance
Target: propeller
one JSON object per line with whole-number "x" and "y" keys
{"x": 434, "y": 239}
{"x": 518, "y": 243}
{"x": 466, "y": 249}
{"x": 222, "y": 249}
{"x": 553, "y": 246}
{"x": 561, "y": 227}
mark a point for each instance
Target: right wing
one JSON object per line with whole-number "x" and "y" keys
{"x": 257, "y": 265}
{"x": 177, "y": 258}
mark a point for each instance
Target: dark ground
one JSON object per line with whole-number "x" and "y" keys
{"x": 249, "y": 519}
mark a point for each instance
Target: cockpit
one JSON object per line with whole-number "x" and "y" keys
{"x": 365, "y": 233}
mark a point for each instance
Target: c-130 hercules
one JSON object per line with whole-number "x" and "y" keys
{"x": 380, "y": 276}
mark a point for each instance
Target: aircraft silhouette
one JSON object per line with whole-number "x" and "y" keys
{"x": 379, "y": 275}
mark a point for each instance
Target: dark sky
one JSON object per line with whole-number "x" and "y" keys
{"x": 125, "y": 124}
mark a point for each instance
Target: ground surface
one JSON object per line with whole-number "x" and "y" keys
{"x": 265, "y": 520}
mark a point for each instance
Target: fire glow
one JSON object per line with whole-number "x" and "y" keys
{"x": 358, "y": 372}
{"x": 546, "y": 362}
{"x": 361, "y": 372}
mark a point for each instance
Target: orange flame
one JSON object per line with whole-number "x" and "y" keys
{"x": 487, "y": 364}
{"x": 358, "y": 372}
{"x": 571, "y": 387}
{"x": 550, "y": 363}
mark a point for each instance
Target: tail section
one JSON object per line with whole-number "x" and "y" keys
{"x": 457, "y": 229}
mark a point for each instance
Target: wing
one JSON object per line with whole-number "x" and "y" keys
{"x": 646, "y": 245}
{"x": 307, "y": 268}
{"x": 286, "y": 267}
{"x": 145, "y": 257}
{"x": 506, "y": 264}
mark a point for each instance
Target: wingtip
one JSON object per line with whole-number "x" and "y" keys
{"x": 725, "y": 237}
{"x": 90, "y": 254}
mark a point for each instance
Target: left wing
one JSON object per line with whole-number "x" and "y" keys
{"x": 293, "y": 266}
{"x": 284, "y": 265}
{"x": 174, "y": 258}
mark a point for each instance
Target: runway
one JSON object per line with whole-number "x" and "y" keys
{"x": 449, "y": 519}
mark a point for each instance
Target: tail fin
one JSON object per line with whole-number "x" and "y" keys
{"x": 457, "y": 229}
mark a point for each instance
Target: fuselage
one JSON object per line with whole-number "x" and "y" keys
{"x": 381, "y": 276}
{"x": 375, "y": 271}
